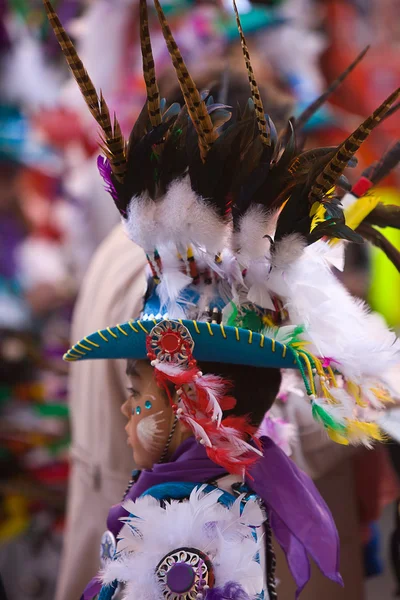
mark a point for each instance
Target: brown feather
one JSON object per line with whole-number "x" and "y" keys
{"x": 376, "y": 238}
{"x": 391, "y": 111}
{"x": 386, "y": 164}
{"x": 196, "y": 106}
{"x": 310, "y": 110}
{"x": 149, "y": 72}
{"x": 113, "y": 142}
{"x": 255, "y": 92}
{"x": 384, "y": 215}
{"x": 328, "y": 177}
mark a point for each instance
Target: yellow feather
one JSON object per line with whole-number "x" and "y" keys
{"x": 382, "y": 395}
{"x": 360, "y": 431}
{"x": 360, "y": 209}
{"x": 319, "y": 212}
{"x": 336, "y": 437}
{"x": 355, "y": 392}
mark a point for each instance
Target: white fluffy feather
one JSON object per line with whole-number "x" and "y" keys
{"x": 224, "y": 534}
{"x": 141, "y": 224}
{"x": 181, "y": 218}
{"x": 249, "y": 241}
{"x": 287, "y": 251}
{"x": 334, "y": 254}
{"x": 173, "y": 280}
{"x": 337, "y": 325}
{"x": 256, "y": 281}
{"x": 186, "y": 218}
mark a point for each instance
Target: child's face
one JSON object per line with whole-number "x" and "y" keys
{"x": 150, "y": 416}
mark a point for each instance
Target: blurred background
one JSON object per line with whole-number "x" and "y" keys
{"x": 54, "y": 211}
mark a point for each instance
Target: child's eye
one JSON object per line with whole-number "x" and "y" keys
{"x": 133, "y": 393}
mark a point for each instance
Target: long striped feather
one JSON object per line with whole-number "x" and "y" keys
{"x": 387, "y": 163}
{"x": 318, "y": 102}
{"x": 149, "y": 72}
{"x": 335, "y": 167}
{"x": 196, "y": 106}
{"x": 113, "y": 142}
{"x": 255, "y": 92}
{"x": 392, "y": 111}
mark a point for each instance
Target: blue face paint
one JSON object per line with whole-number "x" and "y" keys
{"x": 147, "y": 404}
{"x": 138, "y": 410}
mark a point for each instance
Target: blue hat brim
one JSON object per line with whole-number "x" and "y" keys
{"x": 212, "y": 343}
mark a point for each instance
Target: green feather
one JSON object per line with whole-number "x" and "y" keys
{"x": 319, "y": 414}
{"x": 231, "y": 322}
{"x": 296, "y": 333}
{"x": 252, "y": 321}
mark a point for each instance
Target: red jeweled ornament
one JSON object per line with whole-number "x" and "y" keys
{"x": 170, "y": 341}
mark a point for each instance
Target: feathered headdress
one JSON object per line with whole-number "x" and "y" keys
{"x": 235, "y": 220}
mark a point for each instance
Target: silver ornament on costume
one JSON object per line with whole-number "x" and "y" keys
{"x": 108, "y": 546}
{"x": 185, "y": 574}
{"x": 170, "y": 341}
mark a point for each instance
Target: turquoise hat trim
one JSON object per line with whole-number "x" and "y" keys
{"x": 213, "y": 343}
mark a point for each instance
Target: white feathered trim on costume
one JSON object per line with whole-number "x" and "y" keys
{"x": 225, "y": 535}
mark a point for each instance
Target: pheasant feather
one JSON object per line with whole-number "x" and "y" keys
{"x": 112, "y": 139}
{"x": 388, "y": 162}
{"x": 149, "y": 73}
{"x": 255, "y": 92}
{"x": 335, "y": 167}
{"x": 196, "y": 106}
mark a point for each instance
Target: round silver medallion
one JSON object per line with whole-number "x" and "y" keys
{"x": 185, "y": 574}
{"x": 170, "y": 341}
